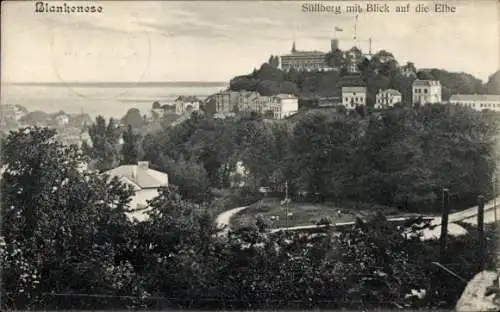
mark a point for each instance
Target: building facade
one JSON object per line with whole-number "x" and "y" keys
{"x": 306, "y": 60}
{"x": 353, "y": 96}
{"x": 246, "y": 100}
{"x": 186, "y": 105}
{"x": 477, "y": 101}
{"x": 426, "y": 92}
{"x": 387, "y": 98}
{"x": 284, "y": 105}
{"x": 260, "y": 104}
{"x": 226, "y": 101}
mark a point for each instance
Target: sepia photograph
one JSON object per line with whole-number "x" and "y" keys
{"x": 250, "y": 155}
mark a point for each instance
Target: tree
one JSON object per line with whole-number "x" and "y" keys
{"x": 335, "y": 58}
{"x": 191, "y": 179}
{"x": 156, "y": 105}
{"x": 104, "y": 143}
{"x": 35, "y": 117}
{"x": 57, "y": 221}
{"x": 274, "y": 61}
{"x": 133, "y": 118}
{"x": 131, "y": 146}
{"x": 493, "y": 84}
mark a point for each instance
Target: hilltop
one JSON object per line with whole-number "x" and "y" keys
{"x": 381, "y": 71}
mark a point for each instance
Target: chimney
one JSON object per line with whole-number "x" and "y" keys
{"x": 143, "y": 165}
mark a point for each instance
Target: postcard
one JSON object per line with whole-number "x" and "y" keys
{"x": 249, "y": 155}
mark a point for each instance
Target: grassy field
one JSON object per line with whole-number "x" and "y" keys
{"x": 306, "y": 213}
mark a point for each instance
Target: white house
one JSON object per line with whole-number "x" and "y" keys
{"x": 387, "y": 98}
{"x": 284, "y": 105}
{"x": 477, "y": 101}
{"x": 353, "y": 96}
{"x": 426, "y": 92}
{"x": 146, "y": 183}
{"x": 186, "y": 104}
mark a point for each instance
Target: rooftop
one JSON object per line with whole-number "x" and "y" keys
{"x": 139, "y": 176}
{"x": 426, "y": 83}
{"x": 476, "y": 97}
{"x": 285, "y": 96}
{"x": 306, "y": 53}
{"x": 390, "y": 91}
{"x": 354, "y": 89}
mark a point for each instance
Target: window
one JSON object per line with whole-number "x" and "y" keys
{"x": 425, "y": 90}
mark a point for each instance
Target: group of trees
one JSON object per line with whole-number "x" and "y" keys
{"x": 66, "y": 243}
{"x": 400, "y": 157}
{"x": 381, "y": 71}
{"x": 112, "y": 144}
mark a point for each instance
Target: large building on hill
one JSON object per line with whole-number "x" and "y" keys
{"x": 317, "y": 60}
{"x": 306, "y": 60}
{"x": 353, "y": 96}
{"x": 477, "y": 101}
{"x": 387, "y": 98}
{"x": 426, "y": 92}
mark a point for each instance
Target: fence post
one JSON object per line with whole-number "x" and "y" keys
{"x": 480, "y": 228}
{"x": 444, "y": 224}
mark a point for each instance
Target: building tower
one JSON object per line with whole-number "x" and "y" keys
{"x": 334, "y": 44}
{"x": 293, "y": 47}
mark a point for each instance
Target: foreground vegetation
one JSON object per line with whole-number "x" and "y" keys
{"x": 66, "y": 243}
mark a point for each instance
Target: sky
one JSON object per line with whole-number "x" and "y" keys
{"x": 215, "y": 41}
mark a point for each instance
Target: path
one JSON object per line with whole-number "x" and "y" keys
{"x": 224, "y": 218}
{"x": 468, "y": 216}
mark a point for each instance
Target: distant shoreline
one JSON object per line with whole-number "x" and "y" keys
{"x": 120, "y": 84}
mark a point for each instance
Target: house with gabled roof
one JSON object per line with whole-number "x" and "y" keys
{"x": 353, "y": 96}
{"x": 387, "y": 98}
{"x": 426, "y": 92}
{"x": 146, "y": 183}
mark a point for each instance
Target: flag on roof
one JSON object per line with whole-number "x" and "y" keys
{"x": 338, "y": 29}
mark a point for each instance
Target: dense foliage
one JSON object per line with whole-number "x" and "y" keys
{"x": 66, "y": 243}
{"x": 399, "y": 157}
{"x": 103, "y": 146}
